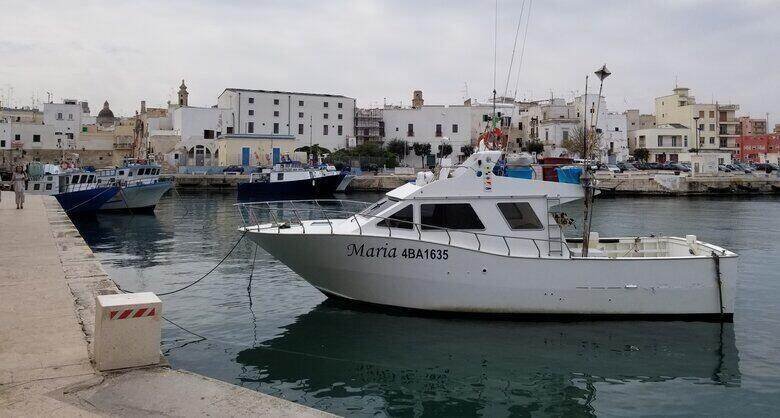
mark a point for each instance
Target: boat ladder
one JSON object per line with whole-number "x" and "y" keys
{"x": 554, "y": 232}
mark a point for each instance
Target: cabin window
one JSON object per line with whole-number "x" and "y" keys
{"x": 279, "y": 176}
{"x": 449, "y": 215}
{"x": 121, "y": 172}
{"x": 37, "y": 186}
{"x": 129, "y": 173}
{"x": 91, "y": 179}
{"x": 84, "y": 178}
{"x": 520, "y": 215}
{"x": 401, "y": 219}
{"x": 48, "y": 186}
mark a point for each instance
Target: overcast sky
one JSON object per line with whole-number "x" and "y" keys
{"x": 125, "y": 52}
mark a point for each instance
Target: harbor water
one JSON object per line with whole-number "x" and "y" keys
{"x": 266, "y": 329}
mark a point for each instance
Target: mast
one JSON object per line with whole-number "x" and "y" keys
{"x": 585, "y": 174}
{"x": 601, "y": 73}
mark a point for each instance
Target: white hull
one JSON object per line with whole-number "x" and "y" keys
{"x": 139, "y": 196}
{"x": 453, "y": 279}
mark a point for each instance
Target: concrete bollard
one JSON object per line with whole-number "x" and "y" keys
{"x": 127, "y": 330}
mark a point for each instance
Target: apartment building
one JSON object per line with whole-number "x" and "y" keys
{"x": 634, "y": 122}
{"x": 324, "y": 119}
{"x": 665, "y": 142}
{"x": 751, "y": 126}
{"x": 762, "y": 148}
{"x": 714, "y": 125}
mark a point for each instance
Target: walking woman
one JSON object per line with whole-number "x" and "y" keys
{"x": 18, "y": 180}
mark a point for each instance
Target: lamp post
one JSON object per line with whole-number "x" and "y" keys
{"x": 696, "y": 133}
{"x": 602, "y": 73}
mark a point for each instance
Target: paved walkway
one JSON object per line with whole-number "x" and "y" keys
{"x": 48, "y": 281}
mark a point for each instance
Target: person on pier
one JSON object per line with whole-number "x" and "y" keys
{"x": 18, "y": 179}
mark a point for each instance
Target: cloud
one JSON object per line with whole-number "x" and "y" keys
{"x": 382, "y": 50}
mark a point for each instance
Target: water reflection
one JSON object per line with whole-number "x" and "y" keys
{"x": 365, "y": 362}
{"x": 140, "y": 238}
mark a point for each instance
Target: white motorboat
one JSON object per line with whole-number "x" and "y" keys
{"x": 140, "y": 187}
{"x": 473, "y": 242}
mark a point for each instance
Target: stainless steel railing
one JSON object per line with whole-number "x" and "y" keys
{"x": 283, "y": 214}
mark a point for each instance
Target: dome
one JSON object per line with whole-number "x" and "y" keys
{"x": 105, "y": 112}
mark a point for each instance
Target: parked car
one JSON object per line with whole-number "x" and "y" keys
{"x": 234, "y": 169}
{"x": 743, "y": 167}
{"x": 626, "y": 166}
{"x": 768, "y": 167}
{"x": 723, "y": 168}
{"x": 675, "y": 166}
{"x": 612, "y": 168}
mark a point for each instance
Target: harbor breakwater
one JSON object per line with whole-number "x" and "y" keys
{"x": 666, "y": 183}
{"x": 366, "y": 182}
{"x": 640, "y": 183}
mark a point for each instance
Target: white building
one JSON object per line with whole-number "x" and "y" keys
{"x": 666, "y": 142}
{"x": 324, "y": 119}
{"x": 455, "y": 125}
{"x": 613, "y": 144}
{"x": 549, "y": 121}
{"x": 435, "y": 125}
{"x": 65, "y": 119}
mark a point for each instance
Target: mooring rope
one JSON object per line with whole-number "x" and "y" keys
{"x": 202, "y": 277}
{"x": 716, "y": 258}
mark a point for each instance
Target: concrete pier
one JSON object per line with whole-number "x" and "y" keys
{"x": 48, "y": 281}
{"x": 669, "y": 184}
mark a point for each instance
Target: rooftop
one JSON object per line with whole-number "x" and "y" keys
{"x": 283, "y": 92}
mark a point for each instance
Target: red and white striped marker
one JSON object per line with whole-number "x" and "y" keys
{"x": 132, "y": 313}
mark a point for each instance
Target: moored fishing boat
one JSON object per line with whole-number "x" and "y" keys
{"x": 140, "y": 187}
{"x": 77, "y": 192}
{"x": 290, "y": 182}
{"x": 473, "y": 242}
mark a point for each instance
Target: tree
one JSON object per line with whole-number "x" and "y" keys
{"x": 397, "y": 147}
{"x": 641, "y": 154}
{"x": 445, "y": 150}
{"x": 466, "y": 150}
{"x": 574, "y": 143}
{"x": 421, "y": 150}
{"x": 535, "y": 146}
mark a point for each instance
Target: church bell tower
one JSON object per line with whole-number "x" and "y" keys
{"x": 183, "y": 95}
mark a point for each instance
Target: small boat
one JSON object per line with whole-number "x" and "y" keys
{"x": 77, "y": 192}
{"x": 140, "y": 188}
{"x": 290, "y": 181}
{"x": 472, "y": 242}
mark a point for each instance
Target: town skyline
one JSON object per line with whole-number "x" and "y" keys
{"x": 325, "y": 49}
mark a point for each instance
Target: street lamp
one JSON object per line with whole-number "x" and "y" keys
{"x": 696, "y": 133}
{"x": 602, "y": 73}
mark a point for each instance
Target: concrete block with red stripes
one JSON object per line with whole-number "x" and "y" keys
{"x": 127, "y": 330}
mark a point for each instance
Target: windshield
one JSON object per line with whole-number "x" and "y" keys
{"x": 377, "y": 207}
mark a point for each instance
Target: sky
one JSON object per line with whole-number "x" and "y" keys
{"x": 379, "y": 51}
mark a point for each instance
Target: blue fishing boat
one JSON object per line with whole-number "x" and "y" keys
{"x": 77, "y": 192}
